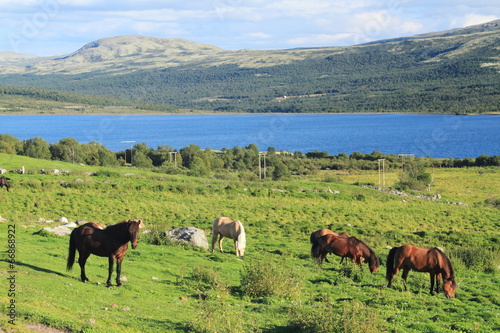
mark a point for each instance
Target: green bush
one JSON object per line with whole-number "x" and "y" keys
{"x": 319, "y": 318}
{"x": 351, "y": 317}
{"x": 266, "y": 278}
{"x": 478, "y": 259}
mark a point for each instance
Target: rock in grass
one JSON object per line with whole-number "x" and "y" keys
{"x": 58, "y": 231}
{"x": 188, "y": 235}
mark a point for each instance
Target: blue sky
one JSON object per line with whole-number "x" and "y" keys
{"x": 57, "y": 27}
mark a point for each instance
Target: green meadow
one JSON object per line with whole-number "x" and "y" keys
{"x": 277, "y": 287}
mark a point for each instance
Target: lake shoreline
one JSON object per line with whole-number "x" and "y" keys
{"x": 157, "y": 113}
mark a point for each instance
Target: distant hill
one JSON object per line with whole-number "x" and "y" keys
{"x": 454, "y": 71}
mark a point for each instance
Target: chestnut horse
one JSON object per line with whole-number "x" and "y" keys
{"x": 349, "y": 247}
{"x": 420, "y": 259}
{"x": 315, "y": 248}
{"x": 224, "y": 227}
{"x": 111, "y": 242}
{"x": 4, "y": 182}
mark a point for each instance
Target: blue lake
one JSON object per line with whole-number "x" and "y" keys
{"x": 422, "y": 135}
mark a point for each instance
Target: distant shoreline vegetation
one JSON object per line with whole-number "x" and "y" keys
{"x": 245, "y": 161}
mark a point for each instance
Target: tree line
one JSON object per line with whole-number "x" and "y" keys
{"x": 244, "y": 162}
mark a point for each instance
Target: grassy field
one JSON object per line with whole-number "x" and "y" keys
{"x": 277, "y": 287}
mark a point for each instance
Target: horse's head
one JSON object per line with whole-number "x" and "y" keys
{"x": 449, "y": 286}
{"x": 371, "y": 258}
{"x": 373, "y": 263}
{"x": 134, "y": 226}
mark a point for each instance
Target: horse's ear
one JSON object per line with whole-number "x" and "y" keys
{"x": 141, "y": 224}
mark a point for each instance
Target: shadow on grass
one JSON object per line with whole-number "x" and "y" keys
{"x": 41, "y": 269}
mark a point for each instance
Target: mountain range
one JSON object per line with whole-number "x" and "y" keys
{"x": 448, "y": 71}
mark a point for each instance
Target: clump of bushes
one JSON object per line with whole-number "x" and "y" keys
{"x": 267, "y": 278}
{"x": 352, "y": 316}
{"x": 478, "y": 259}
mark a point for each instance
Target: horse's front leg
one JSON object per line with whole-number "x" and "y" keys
{"x": 220, "y": 243}
{"x": 111, "y": 261}
{"x": 119, "y": 271}
{"x": 236, "y": 247}
{"x": 438, "y": 282}
{"x": 433, "y": 278}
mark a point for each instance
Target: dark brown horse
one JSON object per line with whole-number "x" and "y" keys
{"x": 111, "y": 242}
{"x": 349, "y": 247}
{"x": 4, "y": 181}
{"x": 315, "y": 247}
{"x": 420, "y": 259}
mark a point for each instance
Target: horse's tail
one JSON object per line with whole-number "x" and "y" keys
{"x": 314, "y": 247}
{"x": 242, "y": 238}
{"x": 390, "y": 263}
{"x": 72, "y": 250}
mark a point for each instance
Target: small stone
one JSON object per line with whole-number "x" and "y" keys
{"x": 125, "y": 308}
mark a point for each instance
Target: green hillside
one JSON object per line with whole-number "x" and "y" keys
{"x": 448, "y": 72}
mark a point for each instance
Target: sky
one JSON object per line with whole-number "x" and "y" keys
{"x": 58, "y": 27}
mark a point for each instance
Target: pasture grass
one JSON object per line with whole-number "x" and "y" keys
{"x": 277, "y": 287}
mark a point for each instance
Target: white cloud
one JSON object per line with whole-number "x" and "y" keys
{"x": 321, "y": 39}
{"x": 260, "y": 35}
{"x": 232, "y": 24}
{"x": 473, "y": 19}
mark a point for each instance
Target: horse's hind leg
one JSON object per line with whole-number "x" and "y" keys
{"x": 214, "y": 240}
{"x": 82, "y": 259}
{"x": 404, "y": 276}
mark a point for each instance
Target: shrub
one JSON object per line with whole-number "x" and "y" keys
{"x": 476, "y": 258}
{"x": 318, "y": 318}
{"x": 266, "y": 278}
{"x": 220, "y": 317}
{"x": 494, "y": 202}
{"x": 353, "y": 317}
{"x": 209, "y": 281}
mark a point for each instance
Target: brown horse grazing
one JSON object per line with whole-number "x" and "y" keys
{"x": 349, "y": 247}
{"x": 4, "y": 182}
{"x": 224, "y": 227}
{"x": 420, "y": 259}
{"x": 111, "y": 242}
{"x": 315, "y": 248}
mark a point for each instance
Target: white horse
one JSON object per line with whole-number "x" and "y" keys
{"x": 225, "y": 227}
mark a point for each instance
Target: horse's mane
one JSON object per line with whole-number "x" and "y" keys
{"x": 242, "y": 239}
{"x": 448, "y": 262}
{"x": 122, "y": 229}
{"x": 373, "y": 256}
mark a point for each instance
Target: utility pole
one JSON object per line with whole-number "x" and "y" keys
{"x": 262, "y": 166}
{"x": 124, "y": 143}
{"x": 383, "y": 172}
{"x": 174, "y": 153}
